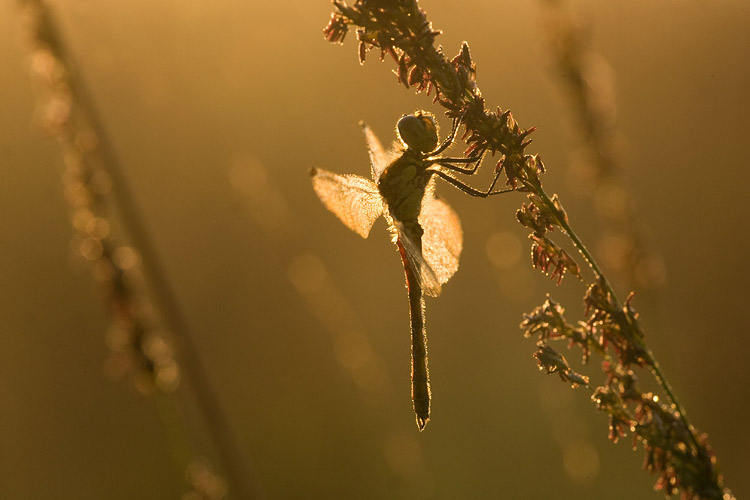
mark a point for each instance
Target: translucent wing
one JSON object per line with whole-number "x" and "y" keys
{"x": 353, "y": 199}
{"x": 427, "y": 277}
{"x": 442, "y": 240}
{"x": 379, "y": 157}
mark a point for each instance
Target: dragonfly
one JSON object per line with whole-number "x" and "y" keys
{"x": 425, "y": 229}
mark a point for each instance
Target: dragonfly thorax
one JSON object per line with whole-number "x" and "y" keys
{"x": 402, "y": 184}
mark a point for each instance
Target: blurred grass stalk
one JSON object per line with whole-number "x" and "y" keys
{"x": 95, "y": 188}
{"x": 675, "y": 450}
{"x": 597, "y": 170}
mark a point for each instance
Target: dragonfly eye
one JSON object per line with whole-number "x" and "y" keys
{"x": 418, "y": 131}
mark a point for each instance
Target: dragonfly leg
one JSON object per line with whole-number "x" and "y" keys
{"x": 449, "y": 164}
{"x": 457, "y": 183}
{"x": 451, "y": 137}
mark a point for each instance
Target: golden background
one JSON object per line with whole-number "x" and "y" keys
{"x": 217, "y": 110}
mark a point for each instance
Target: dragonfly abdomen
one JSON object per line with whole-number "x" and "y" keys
{"x": 420, "y": 373}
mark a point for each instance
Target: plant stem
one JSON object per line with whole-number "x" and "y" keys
{"x": 656, "y": 370}
{"x": 45, "y": 33}
{"x": 563, "y": 222}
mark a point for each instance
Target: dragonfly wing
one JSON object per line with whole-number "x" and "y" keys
{"x": 442, "y": 241}
{"x": 427, "y": 277}
{"x": 379, "y": 157}
{"x": 353, "y": 199}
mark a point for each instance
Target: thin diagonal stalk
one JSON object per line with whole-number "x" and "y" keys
{"x": 105, "y": 157}
{"x": 197, "y": 377}
{"x": 652, "y": 361}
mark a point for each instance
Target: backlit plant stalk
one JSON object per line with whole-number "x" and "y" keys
{"x": 95, "y": 188}
{"x": 675, "y": 450}
{"x": 140, "y": 348}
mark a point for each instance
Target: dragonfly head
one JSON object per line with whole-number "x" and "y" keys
{"x": 418, "y": 131}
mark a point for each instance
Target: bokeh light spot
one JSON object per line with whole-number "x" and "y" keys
{"x": 581, "y": 461}
{"x": 306, "y": 272}
{"x": 503, "y": 250}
